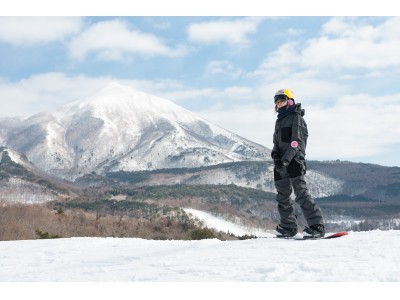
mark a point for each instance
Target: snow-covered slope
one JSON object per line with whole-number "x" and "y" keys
{"x": 220, "y": 224}
{"x": 22, "y": 182}
{"x": 120, "y": 128}
{"x": 16, "y": 157}
{"x": 359, "y": 257}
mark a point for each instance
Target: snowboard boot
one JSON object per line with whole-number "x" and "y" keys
{"x": 315, "y": 231}
{"x": 285, "y": 232}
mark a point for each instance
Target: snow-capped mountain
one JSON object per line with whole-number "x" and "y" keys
{"x": 120, "y": 128}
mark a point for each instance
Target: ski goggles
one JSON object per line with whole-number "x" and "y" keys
{"x": 280, "y": 98}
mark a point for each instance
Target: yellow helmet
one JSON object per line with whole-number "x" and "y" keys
{"x": 284, "y": 94}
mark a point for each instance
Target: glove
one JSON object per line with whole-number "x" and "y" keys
{"x": 280, "y": 166}
{"x": 275, "y": 156}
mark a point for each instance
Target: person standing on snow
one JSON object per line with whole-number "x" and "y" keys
{"x": 288, "y": 153}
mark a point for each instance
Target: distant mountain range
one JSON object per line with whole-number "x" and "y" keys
{"x": 119, "y": 128}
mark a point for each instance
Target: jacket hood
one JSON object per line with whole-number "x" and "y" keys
{"x": 299, "y": 110}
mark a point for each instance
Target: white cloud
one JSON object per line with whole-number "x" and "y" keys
{"x": 219, "y": 97}
{"x": 44, "y": 92}
{"x": 280, "y": 62}
{"x": 295, "y": 32}
{"x": 161, "y": 25}
{"x": 37, "y": 30}
{"x": 346, "y": 43}
{"x": 357, "y": 126}
{"x": 113, "y": 40}
{"x": 183, "y": 94}
{"x": 222, "y": 68}
{"x": 237, "y": 92}
{"x": 249, "y": 121}
{"x": 233, "y": 32}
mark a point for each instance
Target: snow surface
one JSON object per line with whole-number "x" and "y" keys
{"x": 358, "y": 257}
{"x": 359, "y": 266}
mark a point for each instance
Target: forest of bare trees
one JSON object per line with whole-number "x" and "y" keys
{"x": 35, "y": 221}
{"x": 16, "y": 190}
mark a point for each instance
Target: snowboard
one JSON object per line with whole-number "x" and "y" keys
{"x": 304, "y": 238}
{"x": 336, "y": 235}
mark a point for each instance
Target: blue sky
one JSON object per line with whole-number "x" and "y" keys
{"x": 344, "y": 70}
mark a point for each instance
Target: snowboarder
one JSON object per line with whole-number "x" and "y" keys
{"x": 288, "y": 153}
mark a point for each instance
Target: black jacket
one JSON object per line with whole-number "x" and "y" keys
{"x": 290, "y": 137}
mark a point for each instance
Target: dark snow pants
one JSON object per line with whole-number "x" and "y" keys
{"x": 284, "y": 186}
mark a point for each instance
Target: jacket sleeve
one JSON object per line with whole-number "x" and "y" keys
{"x": 298, "y": 140}
{"x": 275, "y": 149}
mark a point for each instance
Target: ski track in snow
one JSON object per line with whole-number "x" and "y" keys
{"x": 358, "y": 257}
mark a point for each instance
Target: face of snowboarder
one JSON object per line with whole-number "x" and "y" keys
{"x": 281, "y": 103}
